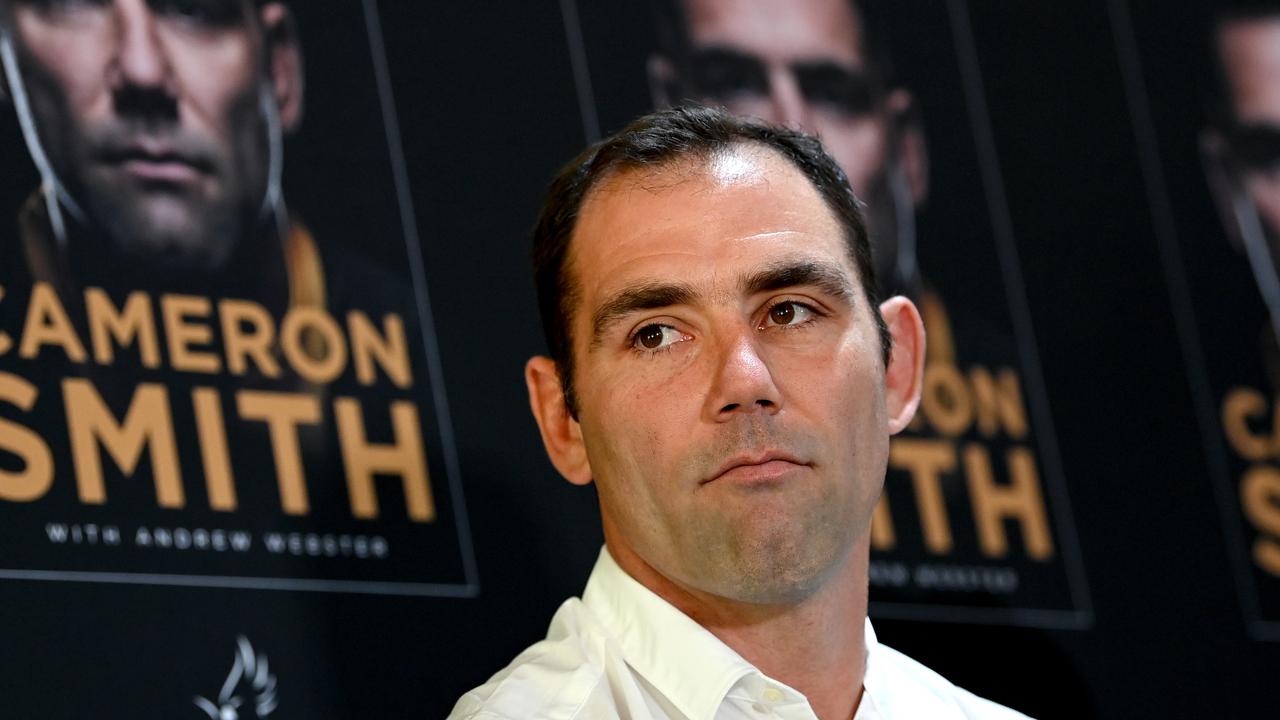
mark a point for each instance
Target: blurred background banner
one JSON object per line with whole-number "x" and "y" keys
{"x": 265, "y": 301}
{"x": 1214, "y": 184}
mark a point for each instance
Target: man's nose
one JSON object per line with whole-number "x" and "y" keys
{"x": 742, "y": 381}
{"x": 789, "y": 106}
{"x": 141, "y": 60}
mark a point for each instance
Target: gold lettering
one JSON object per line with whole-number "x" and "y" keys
{"x": 998, "y": 402}
{"x": 6, "y": 342}
{"x": 243, "y": 343}
{"x": 106, "y": 323}
{"x": 37, "y": 476}
{"x": 47, "y": 324}
{"x": 1020, "y": 500}
{"x": 178, "y": 311}
{"x": 1238, "y": 407}
{"x": 313, "y": 323}
{"x": 945, "y": 399}
{"x": 404, "y": 458}
{"x": 283, "y": 412}
{"x": 211, "y": 430}
{"x": 1260, "y": 497}
{"x": 388, "y": 350}
{"x": 926, "y": 460}
{"x": 146, "y": 423}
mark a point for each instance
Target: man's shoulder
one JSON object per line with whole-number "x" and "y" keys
{"x": 912, "y": 689}
{"x": 559, "y": 678}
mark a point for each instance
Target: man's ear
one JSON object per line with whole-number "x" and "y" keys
{"x": 911, "y": 150}
{"x": 661, "y": 80}
{"x": 284, "y": 58}
{"x": 561, "y": 434}
{"x": 904, "y": 375}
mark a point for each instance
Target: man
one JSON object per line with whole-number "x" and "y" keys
{"x": 157, "y": 130}
{"x": 1242, "y": 148}
{"x": 721, "y": 371}
{"x": 820, "y": 66}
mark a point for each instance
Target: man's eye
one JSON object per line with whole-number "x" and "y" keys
{"x": 657, "y": 337}
{"x": 1255, "y": 147}
{"x": 723, "y": 75}
{"x": 788, "y": 313}
{"x": 841, "y": 90}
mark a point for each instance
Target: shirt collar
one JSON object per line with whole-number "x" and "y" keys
{"x": 689, "y": 665}
{"x": 873, "y": 681}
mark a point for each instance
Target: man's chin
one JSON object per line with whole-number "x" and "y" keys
{"x": 775, "y": 574}
{"x": 165, "y": 240}
{"x": 788, "y": 588}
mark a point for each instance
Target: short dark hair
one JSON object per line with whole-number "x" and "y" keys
{"x": 661, "y": 139}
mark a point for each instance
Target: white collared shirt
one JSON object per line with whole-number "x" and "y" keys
{"x": 623, "y": 652}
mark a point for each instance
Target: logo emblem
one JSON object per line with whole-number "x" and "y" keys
{"x": 249, "y": 688}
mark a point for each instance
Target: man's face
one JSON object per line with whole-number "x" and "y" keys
{"x": 149, "y": 112}
{"x": 729, "y": 372}
{"x": 804, "y": 65}
{"x": 1251, "y": 60}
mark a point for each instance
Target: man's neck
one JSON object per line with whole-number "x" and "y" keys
{"x": 816, "y": 646}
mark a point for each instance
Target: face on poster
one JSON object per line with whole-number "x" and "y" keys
{"x": 199, "y": 378}
{"x": 973, "y": 522}
{"x": 1222, "y": 166}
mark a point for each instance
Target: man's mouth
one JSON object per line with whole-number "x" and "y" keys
{"x": 156, "y": 165}
{"x": 757, "y": 468}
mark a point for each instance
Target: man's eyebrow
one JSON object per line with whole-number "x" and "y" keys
{"x": 645, "y": 296}
{"x": 829, "y": 67}
{"x": 827, "y": 277}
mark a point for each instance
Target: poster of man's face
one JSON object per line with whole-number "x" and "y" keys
{"x": 1215, "y": 115}
{"x": 898, "y": 123}
{"x": 210, "y": 306}
{"x": 812, "y": 65}
{"x": 1242, "y": 143}
{"x": 159, "y": 121}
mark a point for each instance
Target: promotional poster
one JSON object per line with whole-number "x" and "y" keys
{"x": 1221, "y": 210}
{"x": 216, "y": 371}
{"x": 975, "y": 523}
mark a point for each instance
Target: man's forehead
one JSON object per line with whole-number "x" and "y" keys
{"x": 700, "y": 221}
{"x": 1251, "y": 59}
{"x": 635, "y": 208}
{"x": 780, "y": 29}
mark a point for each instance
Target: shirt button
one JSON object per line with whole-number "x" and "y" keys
{"x": 773, "y": 695}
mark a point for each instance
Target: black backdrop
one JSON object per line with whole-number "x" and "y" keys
{"x": 1070, "y": 144}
